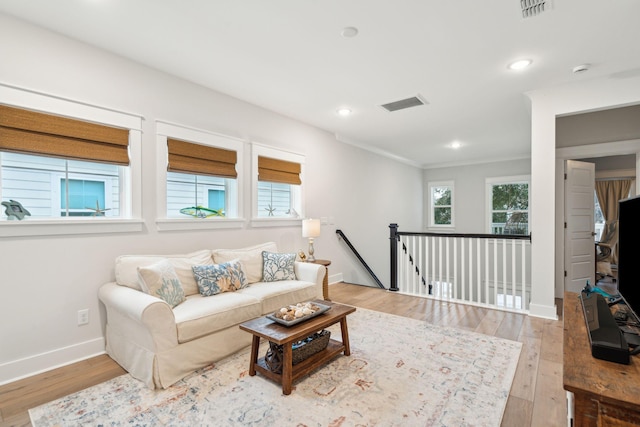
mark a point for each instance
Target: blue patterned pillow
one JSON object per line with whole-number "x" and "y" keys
{"x": 218, "y": 278}
{"x": 278, "y": 266}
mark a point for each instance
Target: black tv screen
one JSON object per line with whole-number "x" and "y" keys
{"x": 629, "y": 252}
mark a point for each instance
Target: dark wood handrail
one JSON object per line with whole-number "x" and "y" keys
{"x": 468, "y": 235}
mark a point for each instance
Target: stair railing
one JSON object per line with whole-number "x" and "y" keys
{"x": 362, "y": 261}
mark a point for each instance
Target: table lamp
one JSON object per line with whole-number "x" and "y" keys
{"x": 311, "y": 229}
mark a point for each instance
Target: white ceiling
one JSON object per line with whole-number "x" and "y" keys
{"x": 289, "y": 56}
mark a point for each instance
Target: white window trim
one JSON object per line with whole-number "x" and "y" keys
{"x": 130, "y": 219}
{"x": 166, "y": 130}
{"x": 490, "y": 182}
{"x": 449, "y": 184}
{"x": 257, "y": 150}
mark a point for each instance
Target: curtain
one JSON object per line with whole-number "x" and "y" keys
{"x": 609, "y": 193}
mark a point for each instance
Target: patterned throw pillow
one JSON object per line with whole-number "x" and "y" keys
{"x": 160, "y": 280}
{"x": 218, "y": 278}
{"x": 278, "y": 266}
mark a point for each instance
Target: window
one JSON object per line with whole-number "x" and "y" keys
{"x": 278, "y": 185}
{"x": 202, "y": 174}
{"x": 441, "y": 204}
{"x": 60, "y": 167}
{"x": 508, "y": 203}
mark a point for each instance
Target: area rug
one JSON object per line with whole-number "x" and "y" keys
{"x": 401, "y": 372}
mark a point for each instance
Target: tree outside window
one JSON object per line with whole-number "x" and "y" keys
{"x": 509, "y": 204}
{"x": 441, "y": 203}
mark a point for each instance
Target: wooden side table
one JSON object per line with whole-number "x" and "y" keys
{"x": 325, "y": 281}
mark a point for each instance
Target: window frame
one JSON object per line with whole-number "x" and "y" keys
{"x": 490, "y": 183}
{"x": 440, "y": 184}
{"x": 298, "y": 198}
{"x": 130, "y": 219}
{"x": 166, "y": 130}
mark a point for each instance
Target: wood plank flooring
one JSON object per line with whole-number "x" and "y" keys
{"x": 536, "y": 397}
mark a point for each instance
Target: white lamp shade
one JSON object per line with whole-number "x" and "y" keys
{"x": 310, "y": 228}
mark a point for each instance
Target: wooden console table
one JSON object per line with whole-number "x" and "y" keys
{"x": 604, "y": 393}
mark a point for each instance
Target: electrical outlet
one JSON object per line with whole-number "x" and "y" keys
{"x": 83, "y": 317}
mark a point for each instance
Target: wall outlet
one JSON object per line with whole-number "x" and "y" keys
{"x": 83, "y": 317}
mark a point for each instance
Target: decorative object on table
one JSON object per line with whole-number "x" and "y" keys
{"x": 311, "y": 229}
{"x": 97, "y": 210}
{"x": 201, "y": 212}
{"x": 15, "y": 210}
{"x": 302, "y": 255}
{"x": 299, "y": 350}
{"x": 294, "y": 314}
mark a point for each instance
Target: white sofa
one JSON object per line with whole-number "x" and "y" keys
{"x": 159, "y": 345}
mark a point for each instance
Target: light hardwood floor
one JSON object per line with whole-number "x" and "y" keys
{"x": 536, "y": 397}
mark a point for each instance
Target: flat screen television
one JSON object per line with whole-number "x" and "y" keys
{"x": 629, "y": 252}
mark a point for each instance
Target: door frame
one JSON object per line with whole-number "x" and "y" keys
{"x": 576, "y": 153}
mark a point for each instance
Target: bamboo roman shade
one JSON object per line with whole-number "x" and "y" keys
{"x": 282, "y": 171}
{"x": 29, "y": 132}
{"x": 188, "y": 157}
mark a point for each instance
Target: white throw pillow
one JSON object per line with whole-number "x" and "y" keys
{"x": 160, "y": 280}
{"x": 250, "y": 258}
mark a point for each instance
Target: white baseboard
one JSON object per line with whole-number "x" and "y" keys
{"x": 33, "y": 365}
{"x": 335, "y": 278}
{"x": 544, "y": 311}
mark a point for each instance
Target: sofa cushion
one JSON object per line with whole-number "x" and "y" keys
{"x": 127, "y": 268}
{"x": 275, "y": 295}
{"x": 250, "y": 258}
{"x": 277, "y": 267}
{"x": 160, "y": 280}
{"x": 199, "y": 316}
{"x": 216, "y": 278}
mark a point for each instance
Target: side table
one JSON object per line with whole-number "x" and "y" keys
{"x": 325, "y": 281}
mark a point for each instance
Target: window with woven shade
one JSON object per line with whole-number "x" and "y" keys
{"x": 201, "y": 173}
{"x": 278, "y": 185}
{"x": 59, "y": 166}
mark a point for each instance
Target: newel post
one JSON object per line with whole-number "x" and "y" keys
{"x": 393, "y": 240}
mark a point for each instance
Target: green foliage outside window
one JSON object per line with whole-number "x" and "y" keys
{"x": 441, "y": 199}
{"x": 510, "y": 206}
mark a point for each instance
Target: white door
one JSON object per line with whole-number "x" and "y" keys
{"x": 579, "y": 244}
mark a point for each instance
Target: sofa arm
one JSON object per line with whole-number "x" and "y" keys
{"x": 139, "y": 317}
{"x": 310, "y": 272}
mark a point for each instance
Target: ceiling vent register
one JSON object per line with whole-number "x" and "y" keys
{"x": 533, "y": 7}
{"x": 414, "y": 101}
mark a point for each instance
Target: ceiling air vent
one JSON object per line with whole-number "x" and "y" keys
{"x": 414, "y": 101}
{"x": 533, "y": 7}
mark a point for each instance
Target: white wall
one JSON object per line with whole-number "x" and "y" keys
{"x": 470, "y": 190}
{"x": 46, "y": 280}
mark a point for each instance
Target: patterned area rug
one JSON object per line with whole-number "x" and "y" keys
{"x": 401, "y": 372}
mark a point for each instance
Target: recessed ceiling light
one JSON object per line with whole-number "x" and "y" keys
{"x": 581, "y": 68}
{"x": 349, "y": 32}
{"x": 455, "y": 145}
{"x": 520, "y": 64}
{"x": 344, "y": 112}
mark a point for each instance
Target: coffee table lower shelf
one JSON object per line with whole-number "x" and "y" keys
{"x": 303, "y": 368}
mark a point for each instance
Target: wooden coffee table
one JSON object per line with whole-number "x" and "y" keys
{"x": 286, "y": 336}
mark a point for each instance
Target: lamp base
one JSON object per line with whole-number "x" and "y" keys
{"x": 311, "y": 258}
